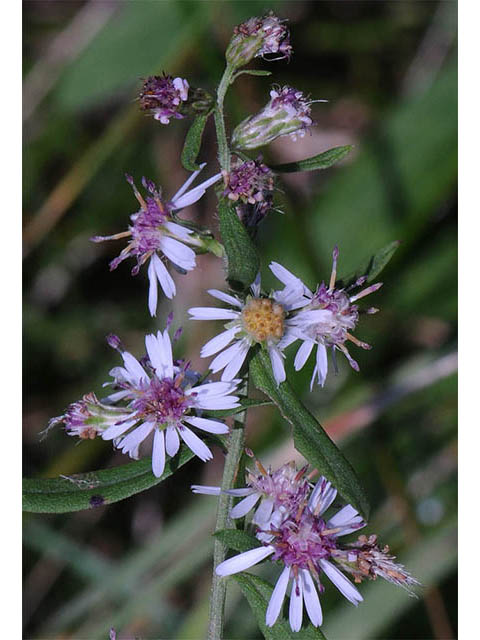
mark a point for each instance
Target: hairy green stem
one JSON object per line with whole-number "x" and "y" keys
{"x": 223, "y": 521}
{"x": 223, "y": 150}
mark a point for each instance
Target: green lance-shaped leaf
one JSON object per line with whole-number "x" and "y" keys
{"x": 371, "y": 267}
{"x": 251, "y": 72}
{"x": 96, "y": 488}
{"x": 258, "y": 592}
{"x": 309, "y": 436}
{"x": 193, "y": 142}
{"x": 321, "y": 161}
{"x": 243, "y": 263}
{"x": 237, "y": 539}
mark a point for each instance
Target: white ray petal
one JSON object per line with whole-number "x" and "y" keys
{"x": 165, "y": 279}
{"x": 219, "y": 342}
{"x": 183, "y": 233}
{"x": 244, "y": 506}
{"x": 276, "y": 599}
{"x": 194, "y": 443}
{"x": 188, "y": 182}
{"x": 264, "y": 513}
{"x": 322, "y": 496}
{"x": 172, "y": 441}
{"x": 295, "y": 613}
{"x": 243, "y": 561}
{"x": 158, "y": 453}
{"x": 225, "y": 297}
{"x": 134, "y": 368}
{"x": 348, "y": 518}
{"x": 277, "y": 364}
{"x": 206, "y": 490}
{"x": 342, "y": 583}
{"x": 311, "y": 599}
{"x": 212, "y": 313}
{"x": 212, "y": 426}
{"x": 178, "y": 253}
{"x": 303, "y": 353}
{"x": 117, "y": 429}
{"x": 130, "y": 443}
{"x": 234, "y": 366}
{"x": 152, "y": 289}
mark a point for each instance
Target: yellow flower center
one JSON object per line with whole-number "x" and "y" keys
{"x": 263, "y": 319}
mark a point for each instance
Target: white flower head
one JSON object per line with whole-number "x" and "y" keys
{"x": 155, "y": 235}
{"x": 275, "y": 495}
{"x": 306, "y": 544}
{"x": 259, "y": 319}
{"x": 156, "y": 396}
{"x": 326, "y": 320}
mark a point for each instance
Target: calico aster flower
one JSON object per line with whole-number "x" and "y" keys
{"x": 305, "y": 544}
{"x": 327, "y": 320}
{"x": 257, "y": 320}
{"x": 287, "y": 113}
{"x": 156, "y": 236}
{"x": 163, "y": 97}
{"x": 278, "y": 494}
{"x": 158, "y": 396}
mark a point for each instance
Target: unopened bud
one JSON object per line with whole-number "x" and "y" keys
{"x": 287, "y": 112}
{"x": 258, "y": 37}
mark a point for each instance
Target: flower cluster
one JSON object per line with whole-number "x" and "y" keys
{"x": 159, "y": 396}
{"x": 160, "y": 401}
{"x": 259, "y": 37}
{"x": 293, "y": 530}
{"x": 155, "y": 235}
{"x": 163, "y": 97}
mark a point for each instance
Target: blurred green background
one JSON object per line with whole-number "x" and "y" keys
{"x": 388, "y": 70}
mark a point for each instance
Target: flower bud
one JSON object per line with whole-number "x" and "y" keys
{"x": 287, "y": 112}
{"x": 258, "y": 37}
{"x": 88, "y": 417}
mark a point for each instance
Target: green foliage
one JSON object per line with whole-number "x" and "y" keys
{"x": 242, "y": 258}
{"x": 95, "y": 488}
{"x": 309, "y": 436}
{"x": 372, "y": 267}
{"x": 237, "y": 539}
{"x": 258, "y": 591}
{"x": 193, "y": 141}
{"x": 321, "y": 161}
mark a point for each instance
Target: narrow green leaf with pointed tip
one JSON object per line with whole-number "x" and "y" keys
{"x": 309, "y": 436}
{"x": 258, "y": 592}
{"x": 320, "y": 161}
{"x": 372, "y": 267}
{"x": 193, "y": 142}
{"x": 242, "y": 258}
{"x": 95, "y": 488}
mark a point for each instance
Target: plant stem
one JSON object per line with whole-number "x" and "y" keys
{"x": 223, "y": 150}
{"x": 219, "y": 584}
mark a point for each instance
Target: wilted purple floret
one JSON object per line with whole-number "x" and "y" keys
{"x": 163, "y": 96}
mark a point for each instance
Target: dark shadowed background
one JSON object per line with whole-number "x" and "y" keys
{"x": 388, "y": 70}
